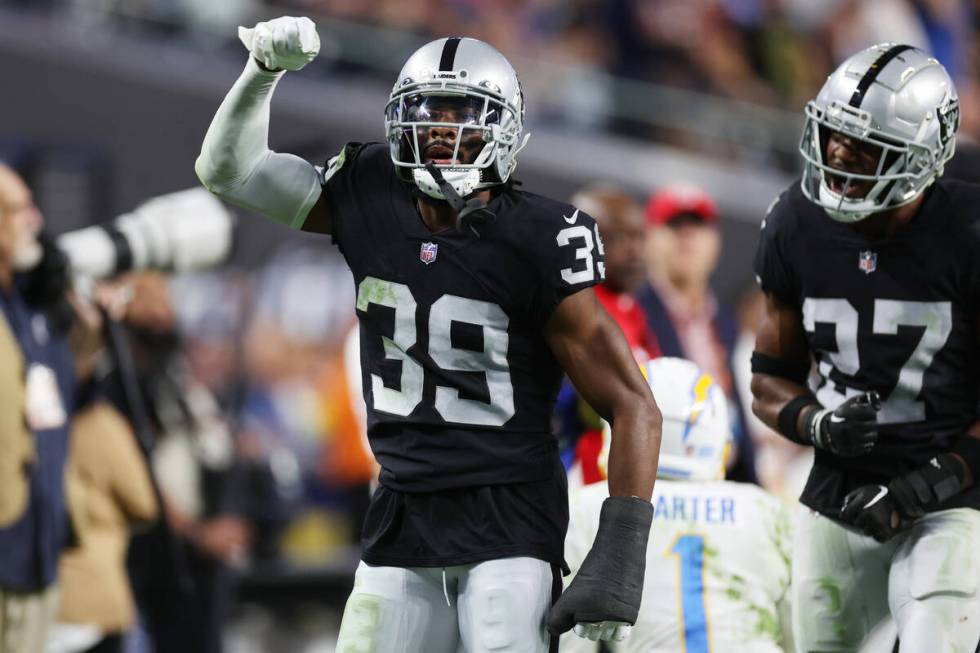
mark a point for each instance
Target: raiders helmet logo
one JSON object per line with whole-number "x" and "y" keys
{"x": 949, "y": 121}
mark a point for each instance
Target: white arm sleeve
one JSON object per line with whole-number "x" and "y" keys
{"x": 237, "y": 165}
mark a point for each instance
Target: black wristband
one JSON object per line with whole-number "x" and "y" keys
{"x": 925, "y": 488}
{"x": 790, "y": 414}
{"x": 968, "y": 448}
{"x": 945, "y": 476}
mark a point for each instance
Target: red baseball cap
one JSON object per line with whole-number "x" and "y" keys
{"x": 682, "y": 199}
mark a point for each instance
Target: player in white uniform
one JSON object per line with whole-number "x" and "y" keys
{"x": 718, "y": 558}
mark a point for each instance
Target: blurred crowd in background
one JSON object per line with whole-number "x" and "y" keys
{"x": 768, "y": 52}
{"x": 252, "y": 417}
{"x": 628, "y": 67}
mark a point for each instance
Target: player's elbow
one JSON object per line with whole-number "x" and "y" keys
{"x": 214, "y": 174}
{"x": 207, "y": 173}
{"x": 656, "y": 420}
{"x": 649, "y": 417}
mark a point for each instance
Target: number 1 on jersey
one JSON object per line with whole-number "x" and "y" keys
{"x": 689, "y": 550}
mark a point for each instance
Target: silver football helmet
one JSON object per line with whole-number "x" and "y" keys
{"x": 457, "y": 103}
{"x": 898, "y": 101}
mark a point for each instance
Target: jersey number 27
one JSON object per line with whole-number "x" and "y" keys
{"x": 904, "y": 403}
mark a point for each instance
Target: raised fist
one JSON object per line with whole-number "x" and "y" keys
{"x": 284, "y": 43}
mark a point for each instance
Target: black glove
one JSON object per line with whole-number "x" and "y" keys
{"x": 882, "y": 511}
{"x": 609, "y": 585}
{"x": 871, "y": 510}
{"x": 849, "y": 430}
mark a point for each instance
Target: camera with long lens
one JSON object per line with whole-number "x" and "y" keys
{"x": 177, "y": 232}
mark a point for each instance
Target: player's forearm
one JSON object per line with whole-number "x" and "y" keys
{"x": 635, "y": 448}
{"x": 780, "y": 365}
{"x": 593, "y": 352}
{"x": 236, "y": 163}
{"x": 237, "y": 139}
{"x": 771, "y": 394}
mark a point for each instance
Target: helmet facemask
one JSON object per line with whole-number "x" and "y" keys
{"x": 903, "y": 169}
{"x": 469, "y": 131}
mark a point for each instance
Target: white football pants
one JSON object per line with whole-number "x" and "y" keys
{"x": 497, "y": 605}
{"x": 845, "y": 583}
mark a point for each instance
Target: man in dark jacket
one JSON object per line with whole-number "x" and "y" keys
{"x": 31, "y": 541}
{"x": 684, "y": 242}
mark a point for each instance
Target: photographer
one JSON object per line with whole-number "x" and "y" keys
{"x": 50, "y": 345}
{"x": 175, "y": 566}
{"x": 110, "y": 492}
{"x": 40, "y": 384}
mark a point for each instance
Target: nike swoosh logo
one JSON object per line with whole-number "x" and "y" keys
{"x": 571, "y": 220}
{"x": 882, "y": 491}
{"x": 836, "y": 419}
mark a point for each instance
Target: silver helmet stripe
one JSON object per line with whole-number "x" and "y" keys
{"x": 873, "y": 71}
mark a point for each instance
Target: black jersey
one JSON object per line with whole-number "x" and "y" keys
{"x": 458, "y": 379}
{"x": 897, "y": 315}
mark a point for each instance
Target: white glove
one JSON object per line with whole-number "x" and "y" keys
{"x": 284, "y": 43}
{"x": 607, "y": 631}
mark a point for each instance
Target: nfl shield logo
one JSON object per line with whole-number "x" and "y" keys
{"x": 867, "y": 262}
{"x": 428, "y": 252}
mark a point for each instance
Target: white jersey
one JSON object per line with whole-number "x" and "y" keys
{"x": 718, "y": 569}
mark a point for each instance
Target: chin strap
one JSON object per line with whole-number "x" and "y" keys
{"x": 473, "y": 213}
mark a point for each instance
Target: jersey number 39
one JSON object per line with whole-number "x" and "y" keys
{"x": 492, "y": 361}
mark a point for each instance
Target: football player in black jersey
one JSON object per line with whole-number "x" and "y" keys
{"x": 473, "y": 297}
{"x": 871, "y": 269}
